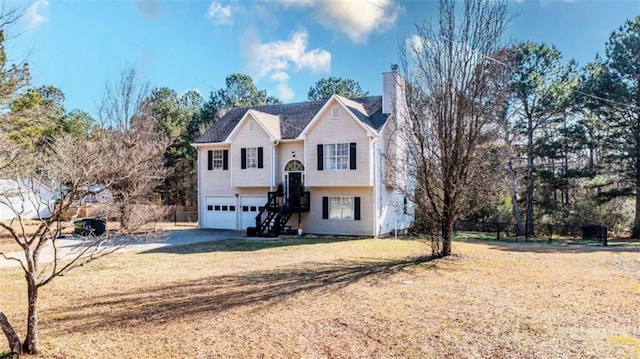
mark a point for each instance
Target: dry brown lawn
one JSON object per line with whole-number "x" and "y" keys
{"x": 342, "y": 299}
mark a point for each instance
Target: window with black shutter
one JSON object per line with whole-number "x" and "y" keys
{"x": 320, "y": 158}
{"x": 325, "y": 207}
{"x": 352, "y": 156}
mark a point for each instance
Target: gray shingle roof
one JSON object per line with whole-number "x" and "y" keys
{"x": 294, "y": 117}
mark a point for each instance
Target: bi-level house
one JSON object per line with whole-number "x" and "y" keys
{"x": 319, "y": 166}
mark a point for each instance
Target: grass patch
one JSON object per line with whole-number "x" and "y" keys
{"x": 340, "y": 298}
{"x": 555, "y": 239}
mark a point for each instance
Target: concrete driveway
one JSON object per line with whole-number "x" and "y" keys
{"x": 171, "y": 238}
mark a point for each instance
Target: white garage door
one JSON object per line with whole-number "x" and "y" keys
{"x": 249, "y": 208}
{"x": 220, "y": 212}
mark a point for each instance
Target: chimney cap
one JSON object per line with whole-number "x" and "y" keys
{"x": 394, "y": 67}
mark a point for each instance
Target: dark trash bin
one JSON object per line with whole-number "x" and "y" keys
{"x": 595, "y": 231}
{"x": 252, "y": 232}
{"x": 90, "y": 226}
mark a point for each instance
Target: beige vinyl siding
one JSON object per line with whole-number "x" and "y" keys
{"x": 283, "y": 152}
{"x": 251, "y": 191}
{"x": 344, "y": 129}
{"x": 313, "y": 223}
{"x": 216, "y": 181}
{"x": 244, "y": 138}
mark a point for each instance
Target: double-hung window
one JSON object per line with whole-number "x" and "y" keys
{"x": 217, "y": 159}
{"x": 252, "y": 157}
{"x": 336, "y": 156}
{"x": 341, "y": 207}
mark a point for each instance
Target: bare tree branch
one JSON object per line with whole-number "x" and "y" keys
{"x": 454, "y": 98}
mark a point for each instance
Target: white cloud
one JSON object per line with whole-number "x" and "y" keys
{"x": 355, "y": 18}
{"x": 285, "y": 93}
{"x": 33, "y": 14}
{"x": 274, "y": 60}
{"x": 220, "y": 14}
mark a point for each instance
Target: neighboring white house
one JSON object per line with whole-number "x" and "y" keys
{"x": 24, "y": 198}
{"x": 328, "y": 157}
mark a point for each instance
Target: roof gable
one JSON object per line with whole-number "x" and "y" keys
{"x": 268, "y": 122}
{"x": 354, "y": 109}
{"x": 293, "y": 118}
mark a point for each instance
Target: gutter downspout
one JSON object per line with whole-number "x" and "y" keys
{"x": 376, "y": 184}
{"x": 273, "y": 163}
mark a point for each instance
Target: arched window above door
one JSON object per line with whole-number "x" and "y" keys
{"x": 294, "y": 166}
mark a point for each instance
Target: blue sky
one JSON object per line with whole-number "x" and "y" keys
{"x": 285, "y": 45}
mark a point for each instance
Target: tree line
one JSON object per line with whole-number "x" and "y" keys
{"x": 39, "y": 115}
{"x": 512, "y": 133}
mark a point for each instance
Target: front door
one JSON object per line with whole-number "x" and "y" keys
{"x": 295, "y": 188}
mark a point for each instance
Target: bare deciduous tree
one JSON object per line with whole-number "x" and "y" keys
{"x": 122, "y": 166}
{"x": 454, "y": 97}
{"x": 122, "y": 100}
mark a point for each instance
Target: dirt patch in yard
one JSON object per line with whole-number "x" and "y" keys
{"x": 342, "y": 299}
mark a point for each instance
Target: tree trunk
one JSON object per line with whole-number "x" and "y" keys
{"x": 447, "y": 233}
{"x": 12, "y": 337}
{"x": 515, "y": 207}
{"x": 30, "y": 345}
{"x": 124, "y": 217}
{"x": 530, "y": 180}
{"x": 166, "y": 192}
{"x": 635, "y": 233}
{"x": 446, "y": 224}
{"x": 636, "y": 222}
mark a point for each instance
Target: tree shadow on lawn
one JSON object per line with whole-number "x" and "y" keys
{"x": 246, "y": 245}
{"x": 217, "y": 294}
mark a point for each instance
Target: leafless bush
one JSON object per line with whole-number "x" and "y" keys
{"x": 125, "y": 165}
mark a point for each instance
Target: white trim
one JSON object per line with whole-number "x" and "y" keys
{"x": 285, "y": 179}
{"x": 273, "y": 163}
{"x": 212, "y": 145}
{"x": 372, "y": 160}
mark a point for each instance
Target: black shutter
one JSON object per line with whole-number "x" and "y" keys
{"x": 243, "y": 158}
{"x": 225, "y": 159}
{"x": 325, "y": 207}
{"x": 260, "y": 157}
{"x": 356, "y": 208}
{"x": 320, "y": 158}
{"x": 352, "y": 155}
{"x": 209, "y": 160}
